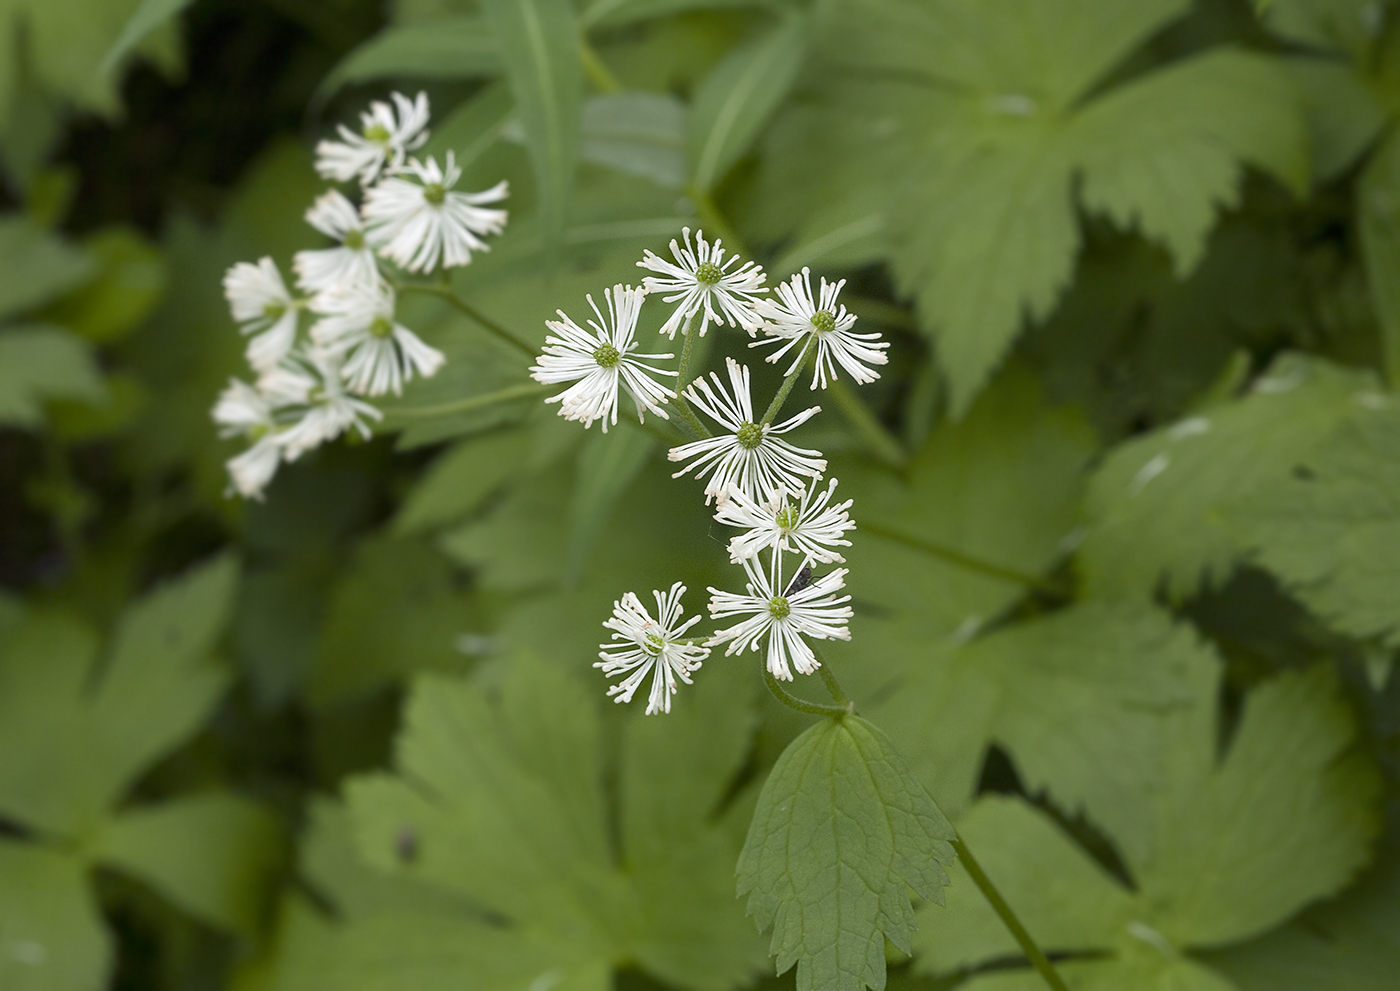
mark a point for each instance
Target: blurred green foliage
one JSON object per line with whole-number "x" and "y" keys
{"x": 1124, "y": 575}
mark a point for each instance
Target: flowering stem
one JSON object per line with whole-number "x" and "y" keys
{"x": 797, "y": 369}
{"x": 1008, "y": 917}
{"x": 883, "y": 443}
{"x": 682, "y": 374}
{"x": 467, "y": 405}
{"x": 968, "y": 561}
{"x": 801, "y": 705}
{"x": 443, "y": 292}
{"x": 832, "y": 685}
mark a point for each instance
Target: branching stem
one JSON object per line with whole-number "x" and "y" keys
{"x": 801, "y": 705}
{"x": 1028, "y": 946}
{"x": 783, "y": 390}
{"x": 953, "y": 556}
{"x": 522, "y": 391}
{"x": 687, "y": 414}
{"x": 444, "y": 292}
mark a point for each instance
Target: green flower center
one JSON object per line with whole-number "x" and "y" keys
{"x": 778, "y": 607}
{"x": 434, "y": 193}
{"x": 708, "y": 273}
{"x": 654, "y": 644}
{"x": 377, "y": 133}
{"x": 354, "y": 239}
{"x": 824, "y": 321}
{"x": 787, "y": 517}
{"x": 273, "y": 310}
{"x": 750, "y": 435}
{"x": 381, "y": 327}
{"x": 606, "y": 355}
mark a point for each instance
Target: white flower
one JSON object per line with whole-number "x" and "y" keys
{"x": 416, "y": 224}
{"x": 357, "y": 323}
{"x": 350, "y": 264}
{"x": 251, "y": 471}
{"x": 796, "y": 318}
{"x": 648, "y": 644}
{"x": 260, "y": 302}
{"x": 600, "y": 361}
{"x": 384, "y": 139}
{"x": 810, "y": 528}
{"x": 329, "y": 411}
{"x": 700, "y": 279}
{"x": 784, "y": 619}
{"x": 750, "y": 458}
{"x": 245, "y": 411}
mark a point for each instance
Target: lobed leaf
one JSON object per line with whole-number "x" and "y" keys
{"x": 841, "y": 832}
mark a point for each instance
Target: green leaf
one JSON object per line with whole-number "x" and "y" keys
{"x": 614, "y": 13}
{"x": 671, "y": 770}
{"x": 128, "y": 287}
{"x": 990, "y": 115}
{"x": 40, "y": 364}
{"x": 607, "y": 465}
{"x": 63, "y": 46}
{"x": 1349, "y": 944}
{"x": 1080, "y": 700}
{"x": 38, "y": 266}
{"x": 395, "y": 611}
{"x": 1220, "y": 863}
{"x": 51, "y": 935}
{"x": 147, "y": 17}
{"x": 1331, "y": 530}
{"x": 490, "y": 851}
{"x": 983, "y": 510}
{"x": 734, "y": 101}
{"x": 448, "y": 48}
{"x": 104, "y": 726}
{"x": 842, "y": 831}
{"x": 1157, "y": 509}
{"x": 459, "y": 481}
{"x": 1210, "y": 115}
{"x": 1343, "y": 113}
{"x": 1378, "y": 217}
{"x": 212, "y": 854}
{"x": 641, "y": 134}
{"x": 539, "y": 42}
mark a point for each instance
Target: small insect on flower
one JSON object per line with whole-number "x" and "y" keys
{"x": 783, "y": 619}
{"x": 648, "y": 644}
{"x": 800, "y": 580}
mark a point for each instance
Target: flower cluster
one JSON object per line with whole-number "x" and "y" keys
{"x": 759, "y": 482}
{"x": 308, "y": 388}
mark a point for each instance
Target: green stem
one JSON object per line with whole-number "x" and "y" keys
{"x": 443, "y": 292}
{"x": 801, "y": 705}
{"x": 881, "y": 441}
{"x": 597, "y": 70}
{"x": 522, "y": 391}
{"x": 832, "y": 685}
{"x": 797, "y": 369}
{"x": 1008, "y": 917}
{"x": 682, "y": 374}
{"x": 968, "y": 561}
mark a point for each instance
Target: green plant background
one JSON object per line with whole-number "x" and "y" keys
{"x": 1127, "y": 578}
